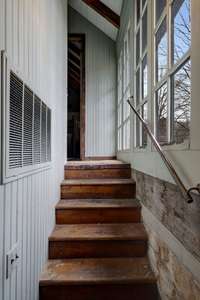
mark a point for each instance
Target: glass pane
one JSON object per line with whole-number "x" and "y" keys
{"x": 181, "y": 25}
{"x": 137, "y": 123}
{"x": 138, "y": 87}
{"x": 182, "y": 103}
{"x": 161, "y": 51}
{"x": 126, "y": 110}
{"x": 144, "y": 31}
{"x": 125, "y": 65}
{"x": 138, "y": 10}
{"x": 126, "y": 135}
{"x": 120, "y": 114}
{"x": 119, "y": 139}
{"x": 145, "y": 118}
{"x": 160, "y": 5}
{"x": 144, "y": 77}
{"x": 162, "y": 114}
{"x": 137, "y": 47}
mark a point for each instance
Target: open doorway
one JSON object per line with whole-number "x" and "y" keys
{"x": 76, "y": 97}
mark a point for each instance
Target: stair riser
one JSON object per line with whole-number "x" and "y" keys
{"x": 98, "y": 174}
{"x": 138, "y": 291}
{"x": 79, "y": 249}
{"x": 108, "y": 191}
{"x": 98, "y": 215}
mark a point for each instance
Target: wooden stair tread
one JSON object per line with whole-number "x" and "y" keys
{"x": 96, "y": 164}
{"x": 97, "y": 182}
{"x": 96, "y": 271}
{"x": 126, "y": 231}
{"x": 97, "y": 203}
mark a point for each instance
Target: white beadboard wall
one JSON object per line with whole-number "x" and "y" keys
{"x": 34, "y": 34}
{"x": 100, "y": 86}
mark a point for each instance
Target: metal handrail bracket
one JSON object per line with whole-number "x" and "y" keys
{"x": 186, "y": 192}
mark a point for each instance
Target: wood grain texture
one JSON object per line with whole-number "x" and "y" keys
{"x": 97, "y": 271}
{"x": 117, "y": 278}
{"x": 100, "y": 292}
{"x": 99, "y": 188}
{"x": 98, "y": 174}
{"x": 97, "y": 215}
{"x": 81, "y": 211}
{"x": 98, "y": 240}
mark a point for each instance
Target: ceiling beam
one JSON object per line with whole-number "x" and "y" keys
{"x": 104, "y": 11}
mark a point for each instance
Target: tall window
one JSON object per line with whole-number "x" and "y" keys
{"x": 124, "y": 94}
{"x": 141, "y": 70}
{"x": 172, "y": 86}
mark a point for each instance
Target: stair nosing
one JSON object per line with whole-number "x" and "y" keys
{"x": 96, "y": 182}
{"x": 96, "y": 280}
{"x": 99, "y": 237}
{"x": 95, "y": 205}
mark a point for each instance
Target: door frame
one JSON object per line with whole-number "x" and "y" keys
{"x": 79, "y": 37}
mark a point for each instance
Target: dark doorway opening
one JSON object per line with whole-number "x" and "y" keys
{"x": 76, "y": 97}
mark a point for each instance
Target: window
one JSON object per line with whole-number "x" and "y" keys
{"x": 124, "y": 94}
{"x": 141, "y": 71}
{"x": 27, "y": 130}
{"x": 172, "y": 86}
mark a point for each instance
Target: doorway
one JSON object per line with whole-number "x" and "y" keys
{"x": 76, "y": 97}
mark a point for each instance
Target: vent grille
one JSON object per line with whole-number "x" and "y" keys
{"x": 29, "y": 128}
{"x": 48, "y": 134}
{"x": 44, "y": 134}
{"x": 37, "y": 131}
{"x": 15, "y": 120}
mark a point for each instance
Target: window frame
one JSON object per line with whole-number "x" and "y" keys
{"x": 172, "y": 69}
{"x": 124, "y": 91}
{"x": 138, "y": 67}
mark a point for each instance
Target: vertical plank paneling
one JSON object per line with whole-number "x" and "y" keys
{"x": 27, "y": 204}
{"x": 100, "y": 87}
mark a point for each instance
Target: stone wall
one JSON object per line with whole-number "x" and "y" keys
{"x": 175, "y": 281}
{"x": 173, "y": 228}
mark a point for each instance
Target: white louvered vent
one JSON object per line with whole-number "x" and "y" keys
{"x": 27, "y": 127}
{"x": 15, "y": 121}
{"x": 37, "y": 129}
{"x": 44, "y": 134}
{"x": 48, "y": 134}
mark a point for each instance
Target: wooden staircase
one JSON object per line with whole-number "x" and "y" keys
{"x": 98, "y": 248}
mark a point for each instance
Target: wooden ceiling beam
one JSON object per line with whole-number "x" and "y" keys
{"x": 104, "y": 11}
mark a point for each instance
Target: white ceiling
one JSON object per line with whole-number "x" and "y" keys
{"x": 96, "y": 19}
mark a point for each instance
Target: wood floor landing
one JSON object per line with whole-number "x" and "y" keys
{"x": 96, "y": 164}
